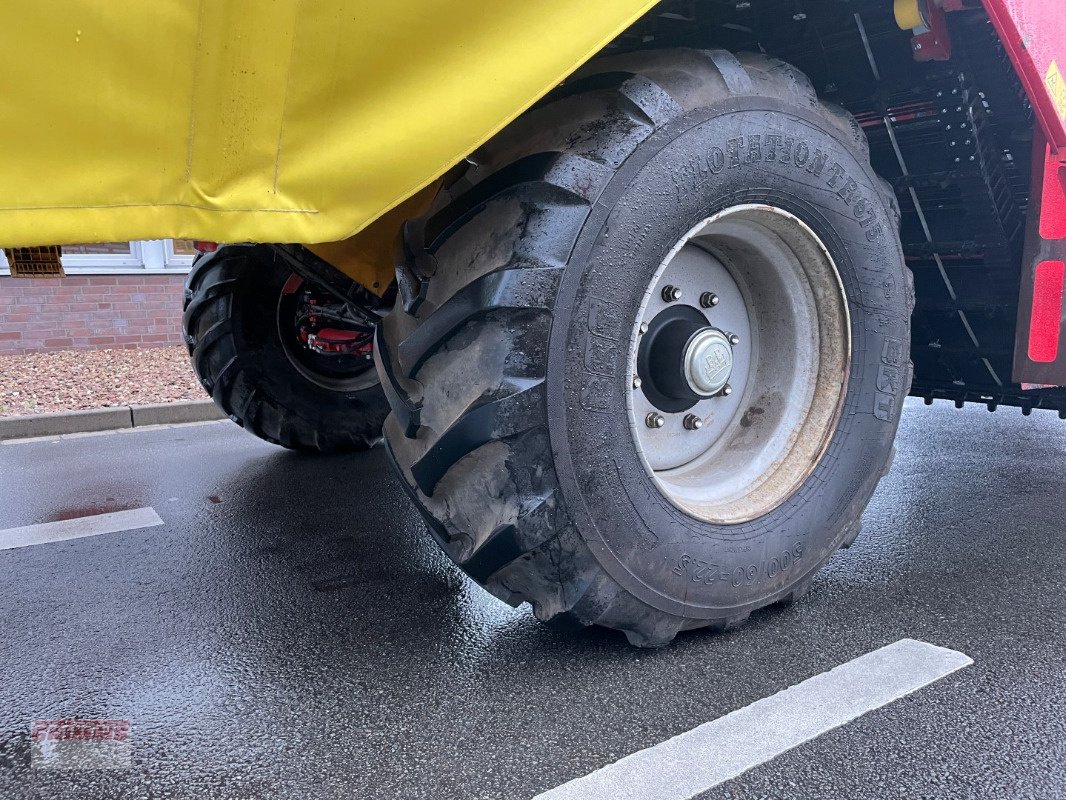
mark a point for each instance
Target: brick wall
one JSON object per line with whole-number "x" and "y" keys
{"x": 89, "y": 311}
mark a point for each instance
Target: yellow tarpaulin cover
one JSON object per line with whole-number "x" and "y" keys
{"x": 261, "y": 120}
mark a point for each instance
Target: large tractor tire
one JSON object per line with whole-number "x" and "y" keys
{"x": 245, "y": 323}
{"x": 650, "y": 350}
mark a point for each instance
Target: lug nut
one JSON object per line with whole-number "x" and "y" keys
{"x": 654, "y": 420}
{"x": 636, "y": 381}
{"x": 734, "y": 339}
{"x": 692, "y": 422}
{"x": 643, "y": 328}
{"x": 708, "y": 299}
{"x": 671, "y": 293}
{"x": 726, "y": 390}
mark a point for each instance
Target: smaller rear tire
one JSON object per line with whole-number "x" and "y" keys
{"x": 235, "y": 328}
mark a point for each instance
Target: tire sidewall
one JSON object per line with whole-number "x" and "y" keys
{"x": 689, "y": 170}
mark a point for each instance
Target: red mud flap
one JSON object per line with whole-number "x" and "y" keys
{"x": 1040, "y": 341}
{"x": 1033, "y": 33}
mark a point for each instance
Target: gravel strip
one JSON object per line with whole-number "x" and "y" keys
{"x": 67, "y": 380}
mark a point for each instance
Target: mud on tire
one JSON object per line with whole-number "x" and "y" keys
{"x": 505, "y": 359}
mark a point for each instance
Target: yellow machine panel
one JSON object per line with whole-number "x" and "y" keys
{"x": 261, "y": 120}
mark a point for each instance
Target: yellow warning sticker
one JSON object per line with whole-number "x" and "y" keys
{"x": 1056, "y": 87}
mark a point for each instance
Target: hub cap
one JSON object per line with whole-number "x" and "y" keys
{"x": 708, "y": 362}
{"x": 740, "y": 355}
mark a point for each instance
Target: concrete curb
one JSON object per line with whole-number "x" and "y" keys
{"x": 175, "y": 413}
{"x": 108, "y": 419}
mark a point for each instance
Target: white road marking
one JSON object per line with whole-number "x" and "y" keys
{"x": 718, "y": 751}
{"x": 76, "y": 528}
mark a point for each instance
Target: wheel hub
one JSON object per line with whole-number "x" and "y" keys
{"x": 321, "y": 339}
{"x": 688, "y": 369}
{"x": 683, "y": 360}
{"x": 741, "y": 351}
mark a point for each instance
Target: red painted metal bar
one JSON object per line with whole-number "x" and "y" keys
{"x": 1034, "y": 35}
{"x": 1039, "y": 358}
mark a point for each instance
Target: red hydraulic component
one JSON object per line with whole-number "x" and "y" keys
{"x": 926, "y": 20}
{"x": 935, "y": 43}
{"x": 337, "y": 340}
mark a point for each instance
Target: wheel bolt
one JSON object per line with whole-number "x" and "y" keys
{"x": 726, "y": 390}
{"x": 643, "y": 328}
{"x": 734, "y": 339}
{"x": 708, "y": 299}
{"x": 654, "y": 420}
{"x": 692, "y": 422}
{"x": 671, "y": 293}
{"x": 636, "y": 381}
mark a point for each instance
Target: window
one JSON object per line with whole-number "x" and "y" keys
{"x": 109, "y": 258}
{"x": 100, "y": 248}
{"x": 179, "y": 252}
{"x": 183, "y": 247}
{"x": 103, "y": 254}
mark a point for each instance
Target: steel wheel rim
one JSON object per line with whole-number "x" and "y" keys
{"x": 779, "y": 301}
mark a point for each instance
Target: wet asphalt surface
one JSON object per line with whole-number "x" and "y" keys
{"x": 292, "y": 632}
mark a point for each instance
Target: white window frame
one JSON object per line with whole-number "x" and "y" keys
{"x": 146, "y": 257}
{"x": 77, "y": 261}
{"x": 175, "y": 260}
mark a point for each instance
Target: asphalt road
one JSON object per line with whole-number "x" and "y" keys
{"x": 290, "y": 631}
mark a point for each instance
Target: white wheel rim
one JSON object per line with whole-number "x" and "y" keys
{"x": 779, "y": 297}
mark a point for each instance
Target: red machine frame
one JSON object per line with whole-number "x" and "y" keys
{"x": 1034, "y": 35}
